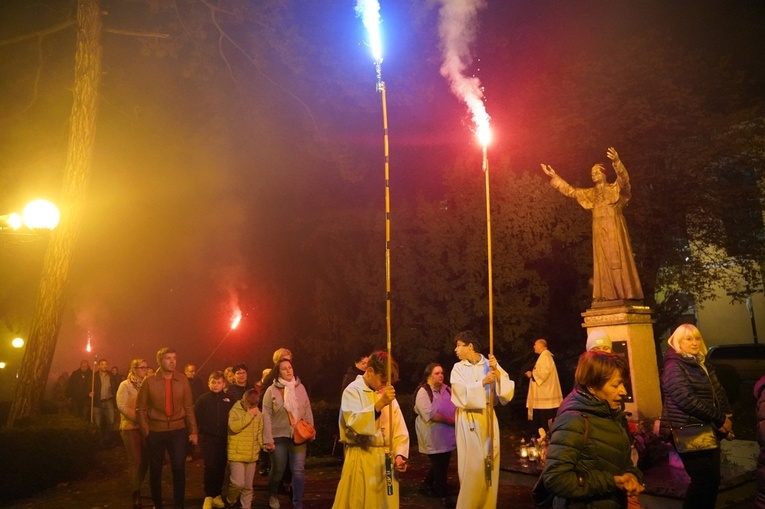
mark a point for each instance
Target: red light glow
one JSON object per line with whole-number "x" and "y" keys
{"x": 236, "y": 319}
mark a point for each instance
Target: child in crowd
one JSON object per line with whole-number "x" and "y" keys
{"x": 211, "y": 410}
{"x": 245, "y": 441}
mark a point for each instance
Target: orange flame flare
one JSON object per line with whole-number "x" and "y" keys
{"x": 237, "y": 318}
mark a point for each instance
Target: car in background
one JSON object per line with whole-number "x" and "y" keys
{"x": 737, "y": 364}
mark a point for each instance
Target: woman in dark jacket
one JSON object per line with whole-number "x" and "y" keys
{"x": 693, "y": 395}
{"x": 588, "y": 459}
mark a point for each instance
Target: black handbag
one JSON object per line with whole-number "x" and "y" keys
{"x": 694, "y": 437}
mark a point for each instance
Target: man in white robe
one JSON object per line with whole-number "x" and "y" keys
{"x": 544, "y": 395}
{"x": 366, "y": 425}
{"x": 472, "y": 379}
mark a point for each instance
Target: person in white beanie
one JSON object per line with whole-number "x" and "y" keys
{"x": 598, "y": 340}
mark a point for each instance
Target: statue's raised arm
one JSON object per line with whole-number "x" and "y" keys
{"x": 557, "y": 182}
{"x": 615, "y": 275}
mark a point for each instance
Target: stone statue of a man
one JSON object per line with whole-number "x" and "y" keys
{"x": 615, "y": 276}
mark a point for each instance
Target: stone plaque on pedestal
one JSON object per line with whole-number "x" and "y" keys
{"x": 631, "y": 323}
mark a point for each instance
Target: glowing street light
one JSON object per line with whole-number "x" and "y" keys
{"x": 40, "y": 215}
{"x": 17, "y": 343}
{"x": 37, "y": 215}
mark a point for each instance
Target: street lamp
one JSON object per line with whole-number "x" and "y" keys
{"x": 37, "y": 215}
{"x": 37, "y": 218}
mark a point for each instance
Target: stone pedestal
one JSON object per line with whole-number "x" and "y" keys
{"x": 630, "y": 328}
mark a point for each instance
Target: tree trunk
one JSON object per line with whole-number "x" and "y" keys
{"x": 46, "y": 323}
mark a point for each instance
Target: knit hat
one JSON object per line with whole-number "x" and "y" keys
{"x": 598, "y": 337}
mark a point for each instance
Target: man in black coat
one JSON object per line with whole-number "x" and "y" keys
{"x": 78, "y": 390}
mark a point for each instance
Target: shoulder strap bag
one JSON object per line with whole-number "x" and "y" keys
{"x": 543, "y": 499}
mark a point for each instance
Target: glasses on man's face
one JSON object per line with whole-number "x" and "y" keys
{"x": 240, "y": 373}
{"x": 143, "y": 367}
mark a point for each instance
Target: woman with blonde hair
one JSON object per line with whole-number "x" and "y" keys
{"x": 135, "y": 445}
{"x": 693, "y": 396}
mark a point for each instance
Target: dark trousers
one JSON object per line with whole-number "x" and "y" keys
{"x": 215, "y": 458}
{"x": 436, "y": 478}
{"x": 540, "y": 418}
{"x": 81, "y": 408}
{"x": 174, "y": 442}
{"x": 759, "y": 476}
{"x": 703, "y": 467}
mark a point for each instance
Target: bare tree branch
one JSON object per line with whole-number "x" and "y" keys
{"x": 224, "y": 36}
{"x": 39, "y": 33}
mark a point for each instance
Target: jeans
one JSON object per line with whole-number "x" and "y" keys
{"x": 174, "y": 442}
{"x": 138, "y": 459}
{"x": 703, "y": 467}
{"x": 286, "y": 449}
{"x": 240, "y": 484}
{"x": 215, "y": 458}
{"x": 103, "y": 416}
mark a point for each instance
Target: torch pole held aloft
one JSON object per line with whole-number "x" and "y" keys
{"x": 93, "y": 388}
{"x": 369, "y": 11}
{"x": 492, "y": 386}
{"x": 388, "y": 326}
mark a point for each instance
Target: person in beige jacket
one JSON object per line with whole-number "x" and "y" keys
{"x": 166, "y": 417}
{"x": 130, "y": 432}
{"x": 544, "y": 395}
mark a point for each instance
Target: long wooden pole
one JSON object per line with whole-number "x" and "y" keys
{"x": 93, "y": 388}
{"x": 388, "y": 327}
{"x": 490, "y": 413}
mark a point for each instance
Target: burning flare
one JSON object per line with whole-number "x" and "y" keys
{"x": 369, "y": 12}
{"x": 236, "y": 319}
{"x": 457, "y": 27}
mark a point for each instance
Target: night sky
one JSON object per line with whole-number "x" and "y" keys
{"x": 192, "y": 214}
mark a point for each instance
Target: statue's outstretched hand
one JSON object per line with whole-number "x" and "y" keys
{"x": 612, "y": 154}
{"x": 548, "y": 170}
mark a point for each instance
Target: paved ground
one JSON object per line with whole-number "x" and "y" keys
{"x": 106, "y": 485}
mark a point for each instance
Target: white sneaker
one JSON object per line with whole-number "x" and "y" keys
{"x": 273, "y": 503}
{"x": 217, "y": 503}
{"x": 208, "y": 503}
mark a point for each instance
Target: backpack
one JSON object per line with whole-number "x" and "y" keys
{"x": 543, "y": 499}
{"x": 429, "y": 390}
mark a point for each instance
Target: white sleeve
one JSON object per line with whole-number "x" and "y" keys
{"x": 358, "y": 413}
{"x": 466, "y": 394}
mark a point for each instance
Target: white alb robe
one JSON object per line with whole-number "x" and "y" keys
{"x": 471, "y": 398}
{"x": 362, "y": 482}
{"x": 544, "y": 385}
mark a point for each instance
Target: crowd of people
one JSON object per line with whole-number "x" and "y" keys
{"x": 238, "y": 426}
{"x": 242, "y": 428}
